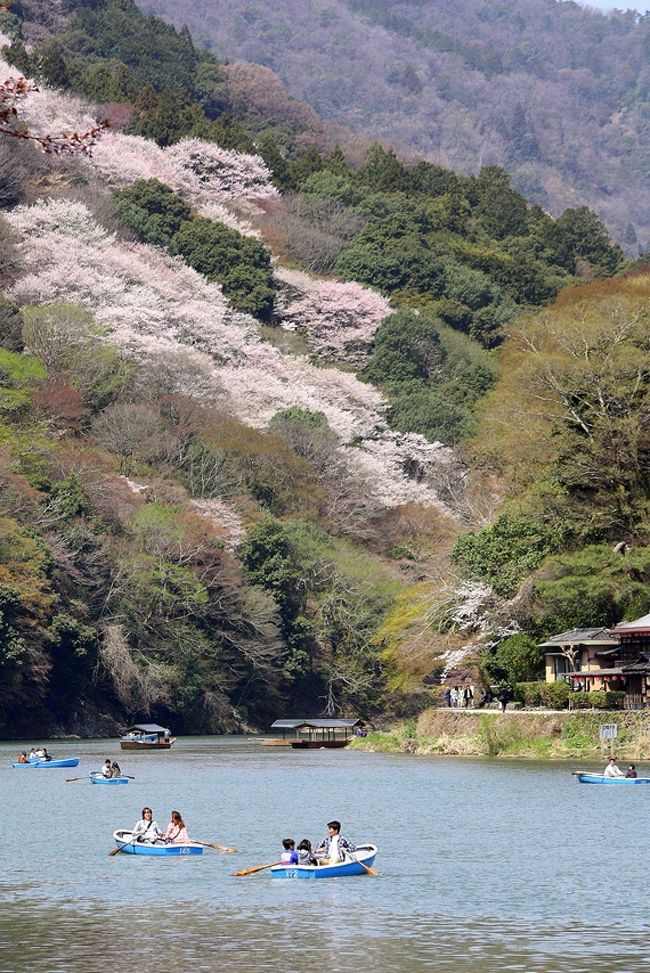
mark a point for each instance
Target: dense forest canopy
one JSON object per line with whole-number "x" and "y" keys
{"x": 555, "y": 93}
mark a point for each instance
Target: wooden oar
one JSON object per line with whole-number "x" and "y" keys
{"x": 69, "y": 780}
{"x": 366, "y": 868}
{"x": 208, "y": 844}
{"x": 257, "y": 868}
{"x": 119, "y": 848}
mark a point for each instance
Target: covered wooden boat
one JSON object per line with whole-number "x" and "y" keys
{"x": 96, "y": 777}
{"x": 315, "y": 734}
{"x": 364, "y": 853}
{"x": 586, "y": 778}
{"x": 156, "y": 848}
{"x": 147, "y": 736}
{"x": 70, "y": 762}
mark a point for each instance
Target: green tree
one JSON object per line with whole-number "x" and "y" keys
{"x": 407, "y": 346}
{"x": 240, "y": 264}
{"x": 517, "y": 659}
{"x": 152, "y": 210}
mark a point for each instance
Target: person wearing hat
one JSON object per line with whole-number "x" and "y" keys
{"x": 612, "y": 770}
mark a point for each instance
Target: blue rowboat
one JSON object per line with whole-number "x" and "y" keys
{"x": 155, "y": 848}
{"x": 364, "y": 853}
{"x": 601, "y": 779}
{"x": 70, "y": 762}
{"x": 96, "y": 777}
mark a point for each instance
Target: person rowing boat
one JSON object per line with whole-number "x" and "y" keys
{"x": 146, "y": 829}
{"x": 334, "y": 847}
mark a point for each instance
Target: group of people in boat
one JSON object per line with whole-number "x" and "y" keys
{"x": 613, "y": 770}
{"x": 334, "y": 848}
{"x": 111, "y": 769}
{"x": 146, "y": 829}
{"x": 36, "y": 753}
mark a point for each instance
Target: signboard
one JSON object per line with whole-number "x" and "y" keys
{"x": 608, "y": 731}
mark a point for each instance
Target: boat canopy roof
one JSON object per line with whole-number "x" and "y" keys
{"x": 147, "y": 728}
{"x": 315, "y": 724}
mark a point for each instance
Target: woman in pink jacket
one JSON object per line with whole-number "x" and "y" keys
{"x": 176, "y": 832}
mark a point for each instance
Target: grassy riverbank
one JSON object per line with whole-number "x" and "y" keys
{"x": 517, "y": 734}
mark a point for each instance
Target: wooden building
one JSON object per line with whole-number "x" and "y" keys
{"x": 600, "y": 658}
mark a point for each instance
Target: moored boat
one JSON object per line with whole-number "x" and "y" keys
{"x": 147, "y": 736}
{"x": 157, "y": 848}
{"x": 363, "y": 853}
{"x": 70, "y": 762}
{"x": 586, "y": 778}
{"x": 96, "y": 777}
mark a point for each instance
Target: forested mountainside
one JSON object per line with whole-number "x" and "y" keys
{"x": 555, "y": 93}
{"x": 283, "y": 428}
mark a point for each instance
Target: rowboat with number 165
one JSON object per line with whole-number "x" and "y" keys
{"x": 130, "y": 847}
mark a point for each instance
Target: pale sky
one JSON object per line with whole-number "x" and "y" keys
{"x": 640, "y": 5}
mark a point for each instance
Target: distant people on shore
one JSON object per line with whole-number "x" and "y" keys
{"x": 504, "y": 698}
{"x": 631, "y": 771}
{"x": 612, "y": 769}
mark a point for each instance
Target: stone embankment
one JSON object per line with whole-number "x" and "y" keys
{"x": 534, "y": 734}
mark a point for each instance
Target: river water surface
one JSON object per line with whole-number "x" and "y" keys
{"x": 484, "y": 865}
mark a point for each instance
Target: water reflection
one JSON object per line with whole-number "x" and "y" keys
{"x": 481, "y": 867}
{"x": 59, "y": 939}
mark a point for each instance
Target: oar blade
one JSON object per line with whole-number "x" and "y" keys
{"x": 256, "y": 868}
{"x": 69, "y": 780}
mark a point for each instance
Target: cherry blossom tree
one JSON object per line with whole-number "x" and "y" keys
{"x": 152, "y": 306}
{"x": 339, "y": 319}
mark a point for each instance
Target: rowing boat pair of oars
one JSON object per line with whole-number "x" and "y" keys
{"x": 206, "y": 844}
{"x": 69, "y": 780}
{"x": 260, "y": 868}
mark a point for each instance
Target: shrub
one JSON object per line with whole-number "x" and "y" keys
{"x": 555, "y": 695}
{"x": 581, "y": 700}
{"x": 529, "y": 693}
{"x": 606, "y": 699}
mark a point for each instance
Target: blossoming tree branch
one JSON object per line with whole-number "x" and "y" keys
{"x": 15, "y": 90}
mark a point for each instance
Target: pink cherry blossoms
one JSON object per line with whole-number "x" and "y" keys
{"x": 154, "y": 308}
{"x": 58, "y": 138}
{"x": 339, "y": 319}
{"x": 201, "y": 172}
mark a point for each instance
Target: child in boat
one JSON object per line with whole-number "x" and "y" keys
{"x": 107, "y": 769}
{"x": 22, "y": 759}
{"x": 33, "y": 754}
{"x": 305, "y": 854}
{"x": 176, "y": 833}
{"x": 147, "y": 829}
{"x": 115, "y": 769}
{"x": 289, "y": 856}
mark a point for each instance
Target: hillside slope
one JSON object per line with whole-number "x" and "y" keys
{"x": 556, "y": 94}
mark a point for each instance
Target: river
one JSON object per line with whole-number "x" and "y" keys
{"x": 484, "y": 865}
